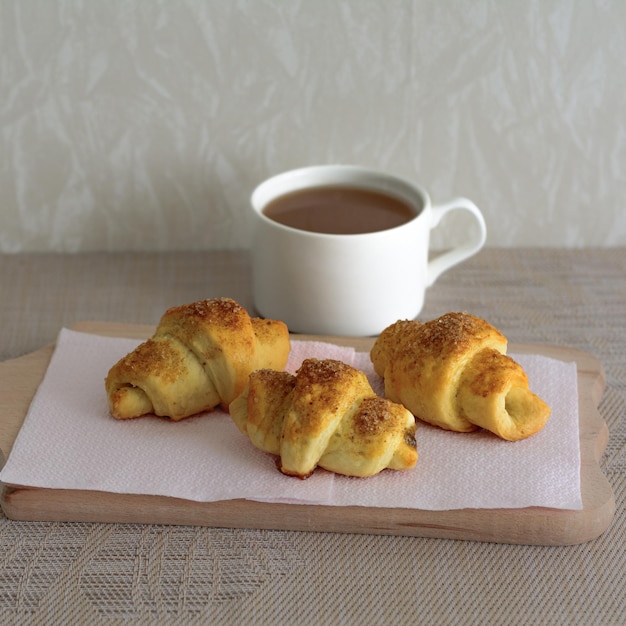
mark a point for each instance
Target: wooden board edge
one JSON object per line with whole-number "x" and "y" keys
{"x": 550, "y": 527}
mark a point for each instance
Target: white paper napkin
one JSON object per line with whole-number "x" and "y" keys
{"x": 70, "y": 441}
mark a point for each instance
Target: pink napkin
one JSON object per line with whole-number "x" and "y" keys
{"x": 70, "y": 441}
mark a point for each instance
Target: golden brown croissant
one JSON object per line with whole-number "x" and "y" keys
{"x": 453, "y": 372}
{"x": 199, "y": 357}
{"x": 326, "y": 415}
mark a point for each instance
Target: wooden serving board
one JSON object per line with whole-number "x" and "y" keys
{"x": 19, "y": 379}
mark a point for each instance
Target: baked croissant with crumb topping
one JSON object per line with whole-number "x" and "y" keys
{"x": 453, "y": 372}
{"x": 199, "y": 357}
{"x": 327, "y": 415}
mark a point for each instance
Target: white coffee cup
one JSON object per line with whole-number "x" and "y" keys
{"x": 349, "y": 284}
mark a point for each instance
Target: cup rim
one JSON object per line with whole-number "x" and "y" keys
{"x": 338, "y": 175}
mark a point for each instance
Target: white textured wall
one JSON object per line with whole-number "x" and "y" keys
{"x": 145, "y": 124}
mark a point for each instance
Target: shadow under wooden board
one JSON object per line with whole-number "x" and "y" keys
{"x": 19, "y": 379}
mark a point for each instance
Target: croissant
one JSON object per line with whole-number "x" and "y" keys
{"x": 327, "y": 415}
{"x": 199, "y": 357}
{"x": 453, "y": 372}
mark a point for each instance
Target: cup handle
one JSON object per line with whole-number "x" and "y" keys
{"x": 446, "y": 260}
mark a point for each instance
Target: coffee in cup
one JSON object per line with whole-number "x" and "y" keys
{"x": 339, "y": 210}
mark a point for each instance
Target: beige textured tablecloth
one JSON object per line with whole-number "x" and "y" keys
{"x": 112, "y": 574}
